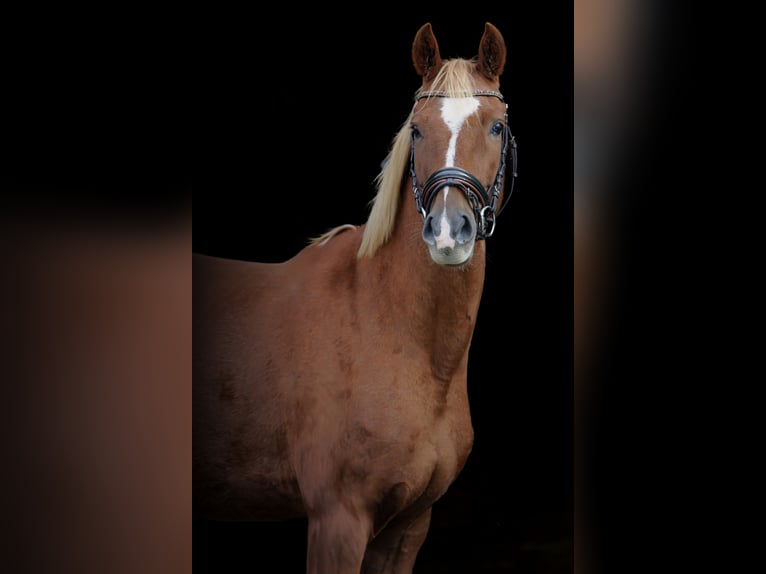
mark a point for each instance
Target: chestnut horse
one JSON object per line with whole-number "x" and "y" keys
{"x": 332, "y": 386}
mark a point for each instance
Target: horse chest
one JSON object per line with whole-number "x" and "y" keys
{"x": 419, "y": 470}
{"x": 425, "y": 454}
{"x": 452, "y": 444}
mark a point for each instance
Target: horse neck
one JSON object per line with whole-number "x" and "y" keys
{"x": 436, "y": 305}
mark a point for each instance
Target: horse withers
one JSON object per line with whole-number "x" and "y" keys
{"x": 333, "y": 385}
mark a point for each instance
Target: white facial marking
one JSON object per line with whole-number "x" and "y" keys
{"x": 444, "y": 239}
{"x": 454, "y": 113}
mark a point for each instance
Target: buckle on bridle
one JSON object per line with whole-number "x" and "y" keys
{"x": 486, "y": 217}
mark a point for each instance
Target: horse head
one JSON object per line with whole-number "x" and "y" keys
{"x": 459, "y": 139}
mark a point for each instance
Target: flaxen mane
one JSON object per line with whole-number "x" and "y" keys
{"x": 453, "y": 80}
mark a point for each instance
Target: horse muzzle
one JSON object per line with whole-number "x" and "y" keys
{"x": 451, "y": 232}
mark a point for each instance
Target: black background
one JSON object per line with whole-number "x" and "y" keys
{"x": 298, "y": 116}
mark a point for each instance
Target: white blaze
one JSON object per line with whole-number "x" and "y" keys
{"x": 454, "y": 113}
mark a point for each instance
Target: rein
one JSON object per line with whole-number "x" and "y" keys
{"x": 483, "y": 201}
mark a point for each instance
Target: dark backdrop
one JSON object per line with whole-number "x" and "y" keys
{"x": 299, "y": 116}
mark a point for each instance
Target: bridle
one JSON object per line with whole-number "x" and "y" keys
{"x": 483, "y": 201}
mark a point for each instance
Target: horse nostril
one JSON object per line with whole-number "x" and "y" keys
{"x": 465, "y": 229}
{"x": 429, "y": 236}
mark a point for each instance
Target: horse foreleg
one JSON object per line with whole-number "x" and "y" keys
{"x": 336, "y": 542}
{"x": 395, "y": 548}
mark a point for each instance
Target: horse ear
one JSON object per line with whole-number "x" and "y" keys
{"x": 491, "y": 60}
{"x": 425, "y": 53}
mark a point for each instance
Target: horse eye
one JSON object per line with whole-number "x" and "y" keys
{"x": 416, "y": 132}
{"x": 497, "y": 128}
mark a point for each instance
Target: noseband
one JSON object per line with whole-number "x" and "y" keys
{"x": 483, "y": 201}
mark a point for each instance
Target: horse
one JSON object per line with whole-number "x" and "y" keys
{"x": 332, "y": 386}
